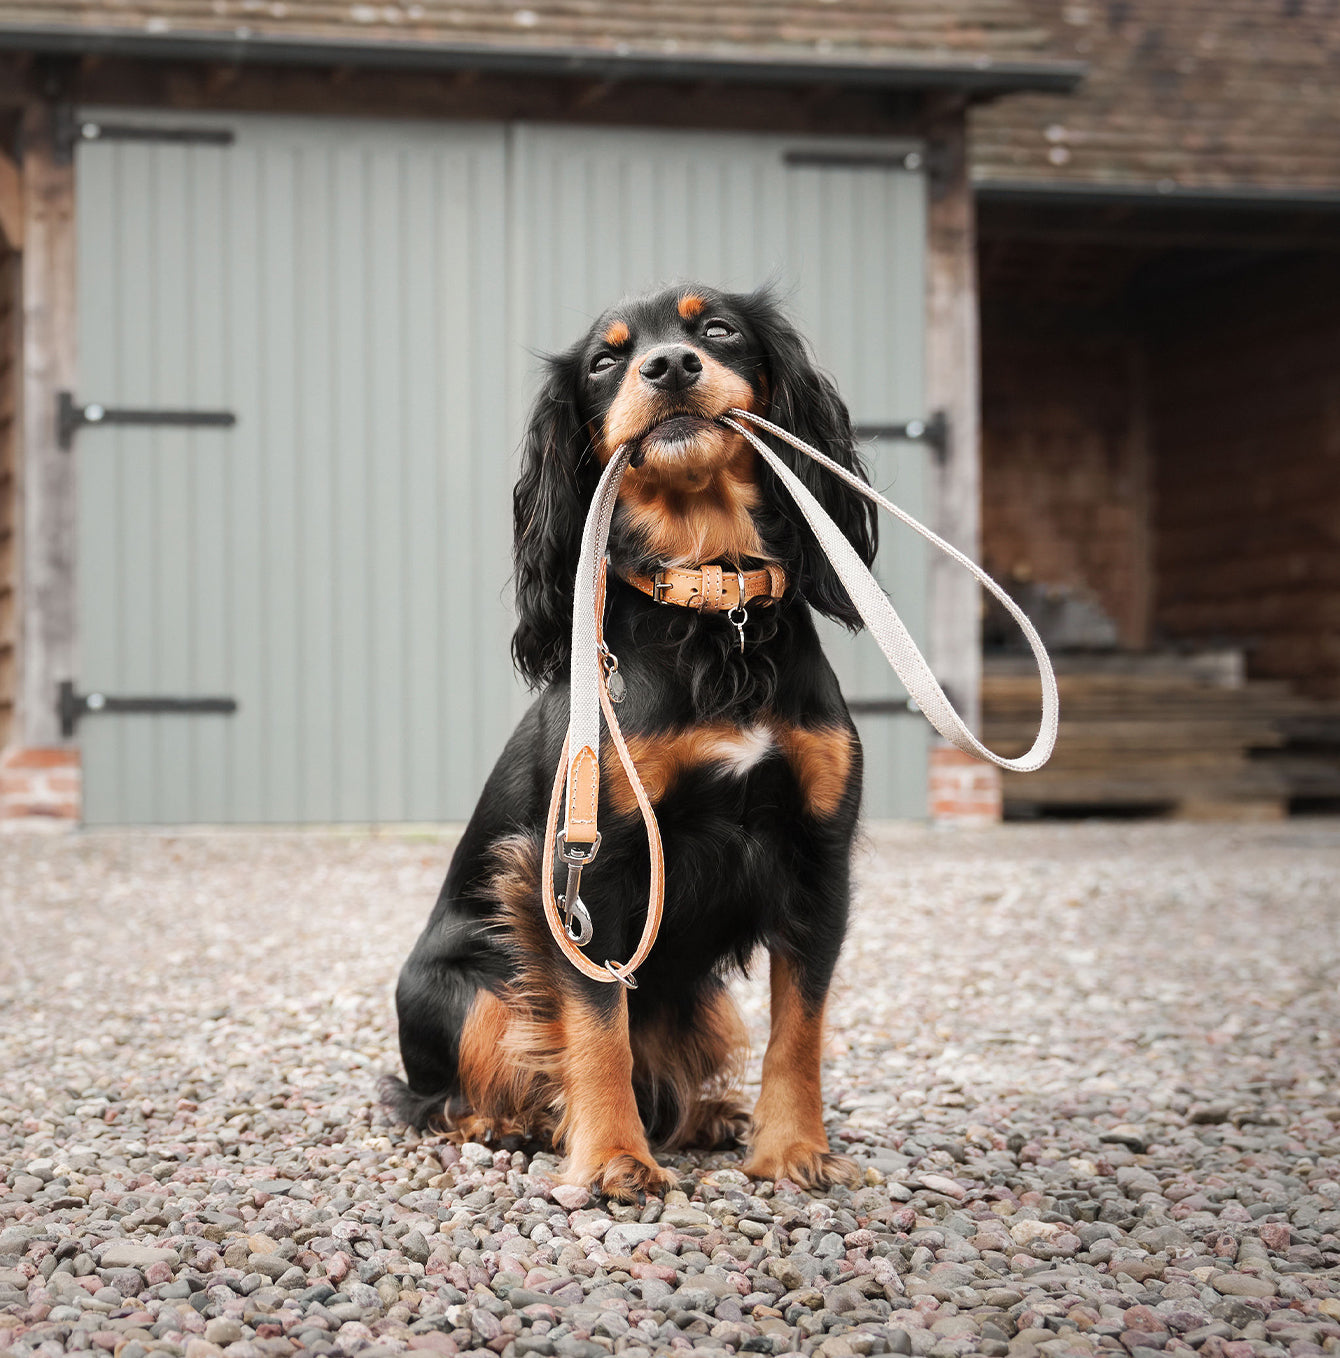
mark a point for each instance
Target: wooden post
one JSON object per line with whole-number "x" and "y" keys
{"x": 961, "y": 789}
{"x": 952, "y": 385}
{"x": 46, "y": 480}
{"x": 11, "y": 204}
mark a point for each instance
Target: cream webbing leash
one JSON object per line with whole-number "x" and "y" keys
{"x": 579, "y": 841}
{"x": 884, "y": 623}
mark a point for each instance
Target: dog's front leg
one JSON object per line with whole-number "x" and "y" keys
{"x": 601, "y": 1129}
{"x": 789, "y": 1141}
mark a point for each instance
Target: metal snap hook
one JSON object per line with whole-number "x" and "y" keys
{"x": 584, "y": 931}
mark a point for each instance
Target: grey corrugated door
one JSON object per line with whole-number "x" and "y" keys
{"x": 366, "y": 297}
{"x": 839, "y": 227}
{"x": 338, "y": 561}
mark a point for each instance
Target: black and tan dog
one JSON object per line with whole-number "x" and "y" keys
{"x": 748, "y": 753}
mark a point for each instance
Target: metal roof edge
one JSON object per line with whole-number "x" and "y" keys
{"x": 984, "y": 76}
{"x": 1160, "y": 194}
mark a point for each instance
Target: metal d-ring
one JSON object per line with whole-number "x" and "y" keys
{"x": 625, "y": 979}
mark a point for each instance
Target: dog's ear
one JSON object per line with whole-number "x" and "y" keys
{"x": 805, "y": 402}
{"x": 558, "y": 478}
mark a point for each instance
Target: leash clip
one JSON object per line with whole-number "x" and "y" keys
{"x": 576, "y": 858}
{"x": 739, "y": 615}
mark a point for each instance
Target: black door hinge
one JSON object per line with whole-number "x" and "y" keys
{"x": 73, "y": 705}
{"x": 934, "y": 432}
{"x": 73, "y": 130}
{"x": 72, "y": 417}
{"x": 813, "y": 158}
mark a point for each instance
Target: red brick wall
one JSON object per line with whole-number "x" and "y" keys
{"x": 963, "y": 790}
{"x": 44, "y": 783}
{"x": 1065, "y": 461}
{"x": 1245, "y": 398}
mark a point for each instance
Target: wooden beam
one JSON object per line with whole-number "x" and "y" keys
{"x": 47, "y": 649}
{"x": 11, "y": 203}
{"x": 350, "y": 91}
{"x": 952, "y": 385}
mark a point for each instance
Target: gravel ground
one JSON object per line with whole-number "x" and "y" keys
{"x": 1090, "y": 1071}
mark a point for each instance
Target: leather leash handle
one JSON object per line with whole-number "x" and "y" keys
{"x": 611, "y": 971}
{"x": 882, "y": 620}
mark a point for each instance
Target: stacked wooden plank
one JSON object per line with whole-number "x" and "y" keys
{"x": 1163, "y": 733}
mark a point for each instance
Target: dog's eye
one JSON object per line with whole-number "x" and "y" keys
{"x": 718, "y": 330}
{"x": 602, "y": 363}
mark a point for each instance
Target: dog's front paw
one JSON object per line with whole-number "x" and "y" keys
{"x": 623, "y": 1176}
{"x": 809, "y": 1164}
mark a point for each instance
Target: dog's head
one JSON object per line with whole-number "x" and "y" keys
{"x": 658, "y": 372}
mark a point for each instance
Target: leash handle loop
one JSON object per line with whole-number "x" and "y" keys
{"x": 879, "y": 615}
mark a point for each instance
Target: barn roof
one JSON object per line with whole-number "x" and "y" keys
{"x": 986, "y": 45}
{"x": 1210, "y": 96}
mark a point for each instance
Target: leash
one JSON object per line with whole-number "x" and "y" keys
{"x": 593, "y": 667}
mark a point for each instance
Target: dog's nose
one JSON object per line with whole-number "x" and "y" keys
{"x": 672, "y": 367}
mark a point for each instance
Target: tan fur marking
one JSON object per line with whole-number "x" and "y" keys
{"x": 821, "y": 758}
{"x": 601, "y": 1129}
{"x": 789, "y": 1141}
{"x": 617, "y": 335}
{"x": 691, "y": 305}
{"x": 690, "y": 501}
{"x": 511, "y": 1042}
{"x": 662, "y": 757}
{"x": 712, "y": 523}
{"x": 637, "y": 405}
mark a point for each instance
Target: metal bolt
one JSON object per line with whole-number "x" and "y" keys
{"x": 95, "y": 702}
{"x": 94, "y": 413}
{"x": 912, "y": 160}
{"x": 915, "y": 429}
{"x": 90, "y": 131}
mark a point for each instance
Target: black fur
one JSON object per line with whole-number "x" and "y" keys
{"x": 748, "y": 863}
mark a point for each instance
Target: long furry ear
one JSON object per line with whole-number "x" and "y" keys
{"x": 558, "y": 478}
{"x": 804, "y": 401}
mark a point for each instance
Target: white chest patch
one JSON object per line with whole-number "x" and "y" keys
{"x": 740, "y": 752}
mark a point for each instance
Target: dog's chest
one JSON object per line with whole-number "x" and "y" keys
{"x": 768, "y": 756}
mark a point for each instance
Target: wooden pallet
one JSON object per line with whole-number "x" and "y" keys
{"x": 1164, "y": 734}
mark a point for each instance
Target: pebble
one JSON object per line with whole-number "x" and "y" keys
{"x": 1095, "y": 1115}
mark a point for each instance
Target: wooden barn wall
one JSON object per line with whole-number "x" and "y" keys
{"x": 1064, "y": 461}
{"x": 1245, "y": 400}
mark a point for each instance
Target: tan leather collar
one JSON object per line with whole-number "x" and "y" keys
{"x": 712, "y": 589}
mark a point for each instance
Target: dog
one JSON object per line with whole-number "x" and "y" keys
{"x": 742, "y": 739}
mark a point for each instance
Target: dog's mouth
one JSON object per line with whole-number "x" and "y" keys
{"x": 679, "y": 428}
{"x": 677, "y": 433}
